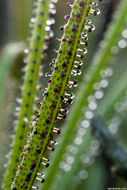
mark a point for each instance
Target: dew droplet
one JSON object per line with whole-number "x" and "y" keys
{"x": 72, "y": 149}
{"x": 85, "y": 123}
{"x": 53, "y": 11}
{"x": 98, "y": 11}
{"x": 83, "y": 174}
{"x": 51, "y": 6}
{"x": 96, "y": 86}
{"x": 113, "y": 128}
{"x": 54, "y": 1}
{"x": 92, "y": 27}
{"x": 95, "y": 144}
{"x": 85, "y": 159}
{"x": 70, "y": 159}
{"x": 104, "y": 83}
{"x": 25, "y": 119}
{"x": 91, "y": 98}
{"x": 115, "y": 50}
{"x": 17, "y": 109}
{"x": 124, "y": 33}
{"x": 89, "y": 114}
{"x": 81, "y": 132}
{"x": 84, "y": 50}
{"x": 109, "y": 72}
{"x": 102, "y": 74}
{"x": 67, "y": 167}
{"x": 92, "y": 106}
{"x": 99, "y": 94}
{"x": 26, "y": 51}
{"x": 51, "y": 34}
{"x": 118, "y": 107}
{"x": 48, "y": 22}
{"x": 67, "y": 17}
{"x": 32, "y": 20}
{"x": 47, "y": 28}
{"x": 122, "y": 44}
{"x": 78, "y": 140}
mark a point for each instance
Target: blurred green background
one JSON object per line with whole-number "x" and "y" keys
{"x": 14, "y": 31}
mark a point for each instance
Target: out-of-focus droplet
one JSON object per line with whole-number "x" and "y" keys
{"x": 115, "y": 50}
{"x": 47, "y": 28}
{"x": 124, "y": 33}
{"x": 104, "y": 83}
{"x": 89, "y": 114}
{"x": 122, "y": 44}
{"x": 99, "y": 94}
{"x": 92, "y": 106}
{"x": 72, "y": 149}
{"x": 109, "y": 72}
{"x": 70, "y": 159}
{"x": 96, "y": 86}
{"x": 83, "y": 174}
{"x": 85, "y": 123}
{"x": 51, "y": 6}
{"x": 78, "y": 140}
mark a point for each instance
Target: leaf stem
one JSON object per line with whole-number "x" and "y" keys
{"x": 29, "y": 86}
{"x": 43, "y": 129}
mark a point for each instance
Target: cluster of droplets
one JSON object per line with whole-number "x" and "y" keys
{"x": 49, "y": 33}
{"x": 114, "y": 124}
{"x": 122, "y": 43}
{"x": 120, "y": 108}
{"x": 98, "y": 87}
{"x": 86, "y": 158}
{"x": 93, "y": 100}
{"x": 121, "y": 105}
{"x": 74, "y": 155}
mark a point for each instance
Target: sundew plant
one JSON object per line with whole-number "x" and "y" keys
{"x": 63, "y": 95}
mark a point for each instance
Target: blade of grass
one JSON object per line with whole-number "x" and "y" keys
{"x": 43, "y": 128}
{"x": 29, "y": 86}
{"x": 8, "y": 56}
